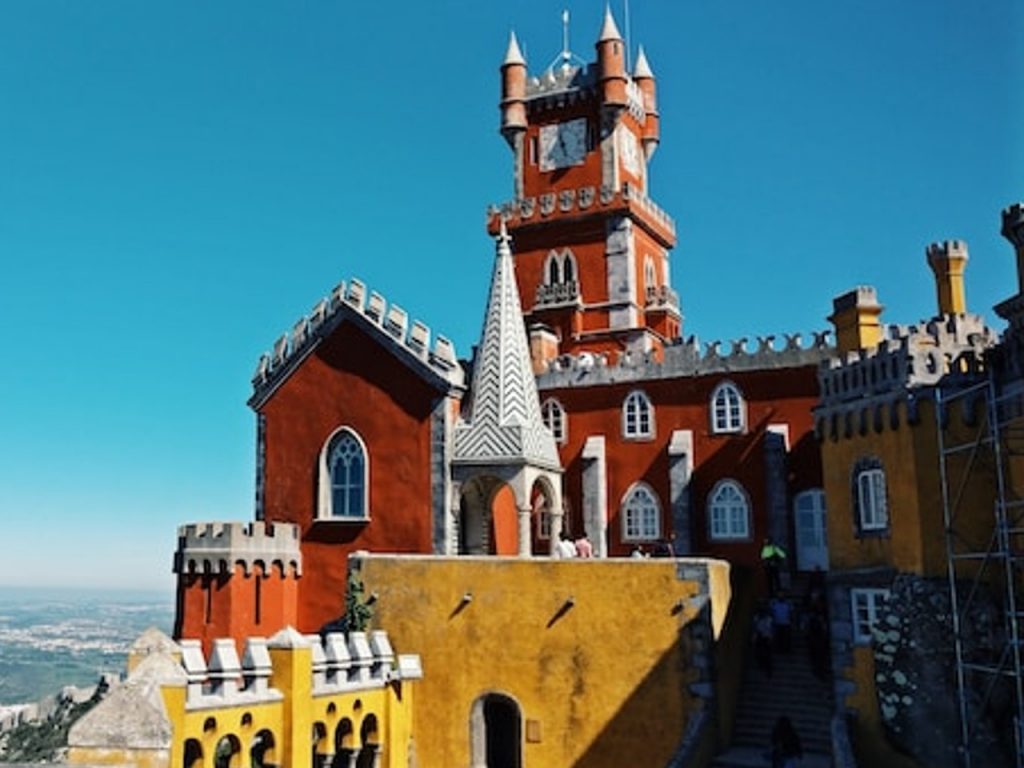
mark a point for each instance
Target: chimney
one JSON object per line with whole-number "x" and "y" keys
{"x": 948, "y": 260}
{"x": 543, "y": 347}
{"x": 855, "y": 316}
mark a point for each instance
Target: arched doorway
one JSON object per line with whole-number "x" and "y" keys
{"x": 488, "y": 518}
{"x": 496, "y": 732}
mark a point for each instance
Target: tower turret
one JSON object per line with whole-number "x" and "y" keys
{"x": 947, "y": 260}
{"x": 644, "y": 79}
{"x": 611, "y": 63}
{"x": 1013, "y": 230}
{"x": 513, "y": 92}
{"x": 855, "y": 317}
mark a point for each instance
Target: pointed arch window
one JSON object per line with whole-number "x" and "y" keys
{"x": 553, "y": 414}
{"x": 641, "y": 515}
{"x": 728, "y": 410}
{"x": 637, "y": 416}
{"x": 728, "y": 512}
{"x": 344, "y": 478}
{"x": 650, "y": 277}
{"x": 554, "y": 270}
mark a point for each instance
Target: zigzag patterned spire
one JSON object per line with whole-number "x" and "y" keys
{"x": 505, "y": 424}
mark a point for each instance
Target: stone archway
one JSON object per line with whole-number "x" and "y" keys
{"x": 488, "y": 518}
{"x": 496, "y": 732}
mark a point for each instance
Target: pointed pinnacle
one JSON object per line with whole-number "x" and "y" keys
{"x": 609, "y": 31}
{"x": 642, "y": 70}
{"x": 513, "y": 55}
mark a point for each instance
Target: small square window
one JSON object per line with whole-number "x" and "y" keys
{"x": 865, "y": 606}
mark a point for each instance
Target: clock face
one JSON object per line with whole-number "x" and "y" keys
{"x": 629, "y": 147}
{"x": 563, "y": 144}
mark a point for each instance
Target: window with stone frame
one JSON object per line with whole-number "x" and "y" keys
{"x": 728, "y": 512}
{"x": 344, "y": 478}
{"x": 637, "y": 416}
{"x": 728, "y": 410}
{"x": 553, "y": 415}
{"x": 865, "y": 606}
{"x": 870, "y": 499}
{"x": 641, "y": 515}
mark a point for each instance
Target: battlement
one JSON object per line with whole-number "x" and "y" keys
{"x": 341, "y": 663}
{"x": 575, "y": 201}
{"x": 909, "y": 356}
{"x": 562, "y": 80}
{"x": 389, "y": 322}
{"x": 218, "y": 547}
{"x": 1013, "y": 224}
{"x": 685, "y": 358}
{"x": 947, "y": 249}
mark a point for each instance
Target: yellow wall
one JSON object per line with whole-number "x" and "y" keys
{"x": 600, "y": 683}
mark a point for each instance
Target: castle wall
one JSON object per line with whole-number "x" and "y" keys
{"x": 598, "y": 655}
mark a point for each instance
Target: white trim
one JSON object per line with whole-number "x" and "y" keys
{"x": 553, "y": 414}
{"x": 864, "y": 605}
{"x": 633, "y": 427}
{"x": 325, "y": 497}
{"x": 729, "y": 416}
{"x": 643, "y": 532}
{"x": 727, "y": 531}
{"x": 872, "y": 505}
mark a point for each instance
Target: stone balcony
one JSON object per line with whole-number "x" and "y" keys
{"x": 557, "y": 294}
{"x": 660, "y": 297}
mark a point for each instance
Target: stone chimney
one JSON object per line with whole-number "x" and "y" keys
{"x": 948, "y": 260}
{"x": 543, "y": 347}
{"x": 855, "y": 317}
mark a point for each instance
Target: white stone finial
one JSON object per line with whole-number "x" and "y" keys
{"x": 513, "y": 55}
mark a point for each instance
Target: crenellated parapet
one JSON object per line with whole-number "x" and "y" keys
{"x": 218, "y": 547}
{"x": 411, "y": 342}
{"x": 687, "y": 358}
{"x": 573, "y": 202}
{"x": 878, "y": 387}
{"x": 341, "y": 663}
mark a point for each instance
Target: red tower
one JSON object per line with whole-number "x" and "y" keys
{"x": 592, "y": 249}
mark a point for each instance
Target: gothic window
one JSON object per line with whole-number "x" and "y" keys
{"x": 865, "y": 605}
{"x": 637, "y": 416}
{"x": 728, "y": 411}
{"x": 870, "y": 496}
{"x": 568, "y": 266}
{"x": 344, "y": 478}
{"x": 554, "y": 270}
{"x": 641, "y": 515}
{"x": 553, "y": 415}
{"x": 728, "y": 512}
{"x": 650, "y": 278}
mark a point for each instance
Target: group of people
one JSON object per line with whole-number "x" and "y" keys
{"x": 567, "y": 547}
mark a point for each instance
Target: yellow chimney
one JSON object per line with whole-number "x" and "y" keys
{"x": 855, "y": 315}
{"x": 948, "y": 260}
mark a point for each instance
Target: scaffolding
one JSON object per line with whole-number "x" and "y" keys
{"x": 980, "y": 429}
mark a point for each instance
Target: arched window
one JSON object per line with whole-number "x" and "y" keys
{"x": 554, "y": 269}
{"x": 641, "y": 515}
{"x": 568, "y": 266}
{"x": 553, "y": 414}
{"x": 650, "y": 277}
{"x": 870, "y": 496}
{"x": 728, "y": 512}
{"x": 637, "y": 416}
{"x": 728, "y": 411}
{"x": 344, "y": 478}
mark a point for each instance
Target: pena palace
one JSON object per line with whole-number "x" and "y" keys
{"x": 585, "y": 410}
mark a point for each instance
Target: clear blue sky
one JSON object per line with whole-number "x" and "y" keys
{"x": 180, "y": 181}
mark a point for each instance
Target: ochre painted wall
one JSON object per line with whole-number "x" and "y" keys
{"x": 603, "y": 679}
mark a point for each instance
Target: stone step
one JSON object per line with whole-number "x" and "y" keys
{"x": 752, "y": 757}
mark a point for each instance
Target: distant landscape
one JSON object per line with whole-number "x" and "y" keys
{"x": 50, "y": 638}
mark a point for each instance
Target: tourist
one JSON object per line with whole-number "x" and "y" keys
{"x": 583, "y": 547}
{"x": 773, "y": 557}
{"x": 566, "y": 549}
{"x": 782, "y": 622}
{"x": 764, "y": 635}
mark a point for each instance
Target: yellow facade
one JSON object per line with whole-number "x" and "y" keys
{"x": 593, "y": 653}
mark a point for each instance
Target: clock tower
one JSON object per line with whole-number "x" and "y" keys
{"x": 591, "y": 248}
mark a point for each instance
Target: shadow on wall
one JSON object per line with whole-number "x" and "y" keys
{"x": 708, "y": 691}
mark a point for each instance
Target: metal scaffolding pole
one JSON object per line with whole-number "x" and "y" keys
{"x": 973, "y": 462}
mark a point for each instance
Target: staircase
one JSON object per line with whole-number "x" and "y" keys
{"x": 794, "y": 691}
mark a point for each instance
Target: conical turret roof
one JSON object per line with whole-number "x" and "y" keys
{"x": 504, "y": 425}
{"x": 513, "y": 55}
{"x": 609, "y": 31}
{"x": 642, "y": 70}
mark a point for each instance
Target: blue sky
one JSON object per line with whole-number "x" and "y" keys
{"x": 179, "y": 182}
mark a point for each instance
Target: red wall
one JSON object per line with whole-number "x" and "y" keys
{"x": 350, "y": 380}
{"x": 783, "y": 396}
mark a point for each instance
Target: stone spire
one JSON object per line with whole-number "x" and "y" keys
{"x": 504, "y": 425}
{"x": 609, "y": 30}
{"x": 513, "y": 55}
{"x": 642, "y": 70}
